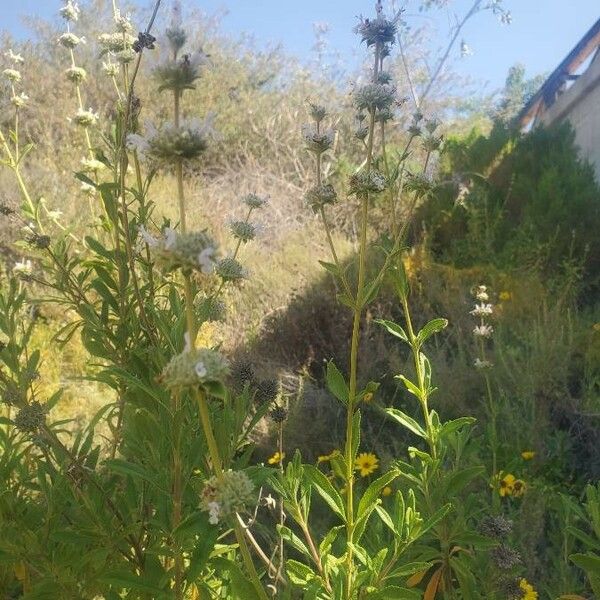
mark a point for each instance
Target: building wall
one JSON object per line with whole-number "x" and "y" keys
{"x": 580, "y": 104}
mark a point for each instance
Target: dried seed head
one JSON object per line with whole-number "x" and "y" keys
{"x": 144, "y": 40}
{"x": 211, "y": 310}
{"x": 278, "y": 414}
{"x": 30, "y": 417}
{"x": 242, "y": 373}
{"x": 266, "y": 391}
{"x": 497, "y": 527}
{"x": 505, "y": 557}
{"x": 39, "y": 241}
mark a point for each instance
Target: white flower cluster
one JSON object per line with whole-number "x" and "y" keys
{"x": 482, "y": 310}
{"x": 18, "y": 100}
{"x": 85, "y": 118}
{"x": 226, "y": 495}
{"x": 169, "y": 144}
{"x": 70, "y": 11}
{"x": 186, "y": 250}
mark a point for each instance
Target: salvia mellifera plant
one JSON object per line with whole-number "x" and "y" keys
{"x": 158, "y": 496}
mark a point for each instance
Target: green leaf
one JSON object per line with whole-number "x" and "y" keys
{"x": 589, "y": 562}
{"x": 336, "y": 383}
{"x": 456, "y": 481}
{"x": 410, "y": 386}
{"x": 394, "y": 329}
{"x": 393, "y": 592}
{"x": 299, "y": 573}
{"x": 371, "y": 496}
{"x": 434, "y": 326}
{"x": 406, "y": 421}
{"x": 128, "y": 581}
{"x": 326, "y": 490}
{"x": 289, "y": 536}
{"x": 409, "y": 569}
{"x": 355, "y": 436}
{"x": 449, "y": 427}
{"x": 135, "y": 471}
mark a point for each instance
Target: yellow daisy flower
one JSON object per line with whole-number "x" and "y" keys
{"x": 518, "y": 488}
{"x": 507, "y": 485}
{"x": 528, "y": 592}
{"x": 327, "y": 457}
{"x": 366, "y": 463}
{"x": 387, "y": 491}
{"x": 504, "y": 296}
{"x": 528, "y": 454}
{"x": 277, "y": 458}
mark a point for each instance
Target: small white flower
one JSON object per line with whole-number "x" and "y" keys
{"x": 70, "y": 40}
{"x": 482, "y": 364}
{"x": 110, "y": 69}
{"x": 481, "y": 293}
{"x": 200, "y": 369}
{"x": 482, "y": 310}
{"x": 91, "y": 164}
{"x": 70, "y": 11}
{"x": 213, "y": 512}
{"x": 12, "y": 74}
{"x": 87, "y": 189}
{"x": 23, "y": 267}
{"x": 19, "y": 100}
{"x": 123, "y": 22}
{"x": 54, "y": 214}
{"x": 148, "y": 238}
{"x": 465, "y": 49}
{"x": 206, "y": 260}
{"x": 85, "y": 118}
{"x": 483, "y": 331}
{"x": 170, "y": 237}
{"x": 15, "y": 58}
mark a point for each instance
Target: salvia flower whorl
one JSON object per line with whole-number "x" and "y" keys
{"x": 191, "y": 250}
{"x": 193, "y": 368}
{"x": 243, "y": 231}
{"x": 226, "y": 495}
{"x": 179, "y": 74}
{"x": 319, "y": 196}
{"x": 30, "y": 417}
{"x": 367, "y": 182}
{"x": 70, "y": 40}
{"x": 229, "y": 269}
{"x": 380, "y": 30}
{"x": 70, "y": 11}
{"x": 317, "y": 142}
{"x": 169, "y": 144}
{"x": 374, "y": 96}
{"x": 115, "y": 42}
{"x": 254, "y": 201}
{"x": 76, "y": 74}
{"x": 317, "y": 112}
{"x": 211, "y": 310}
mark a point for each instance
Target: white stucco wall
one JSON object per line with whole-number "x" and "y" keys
{"x": 580, "y": 104}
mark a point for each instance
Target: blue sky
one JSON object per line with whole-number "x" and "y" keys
{"x": 542, "y": 32}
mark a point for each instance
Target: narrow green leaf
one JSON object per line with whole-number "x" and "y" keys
{"x": 406, "y": 421}
{"x": 336, "y": 383}
{"x": 394, "y": 329}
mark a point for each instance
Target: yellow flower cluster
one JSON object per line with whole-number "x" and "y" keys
{"x": 511, "y": 486}
{"x": 277, "y": 458}
{"x": 504, "y": 296}
{"x": 528, "y": 592}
